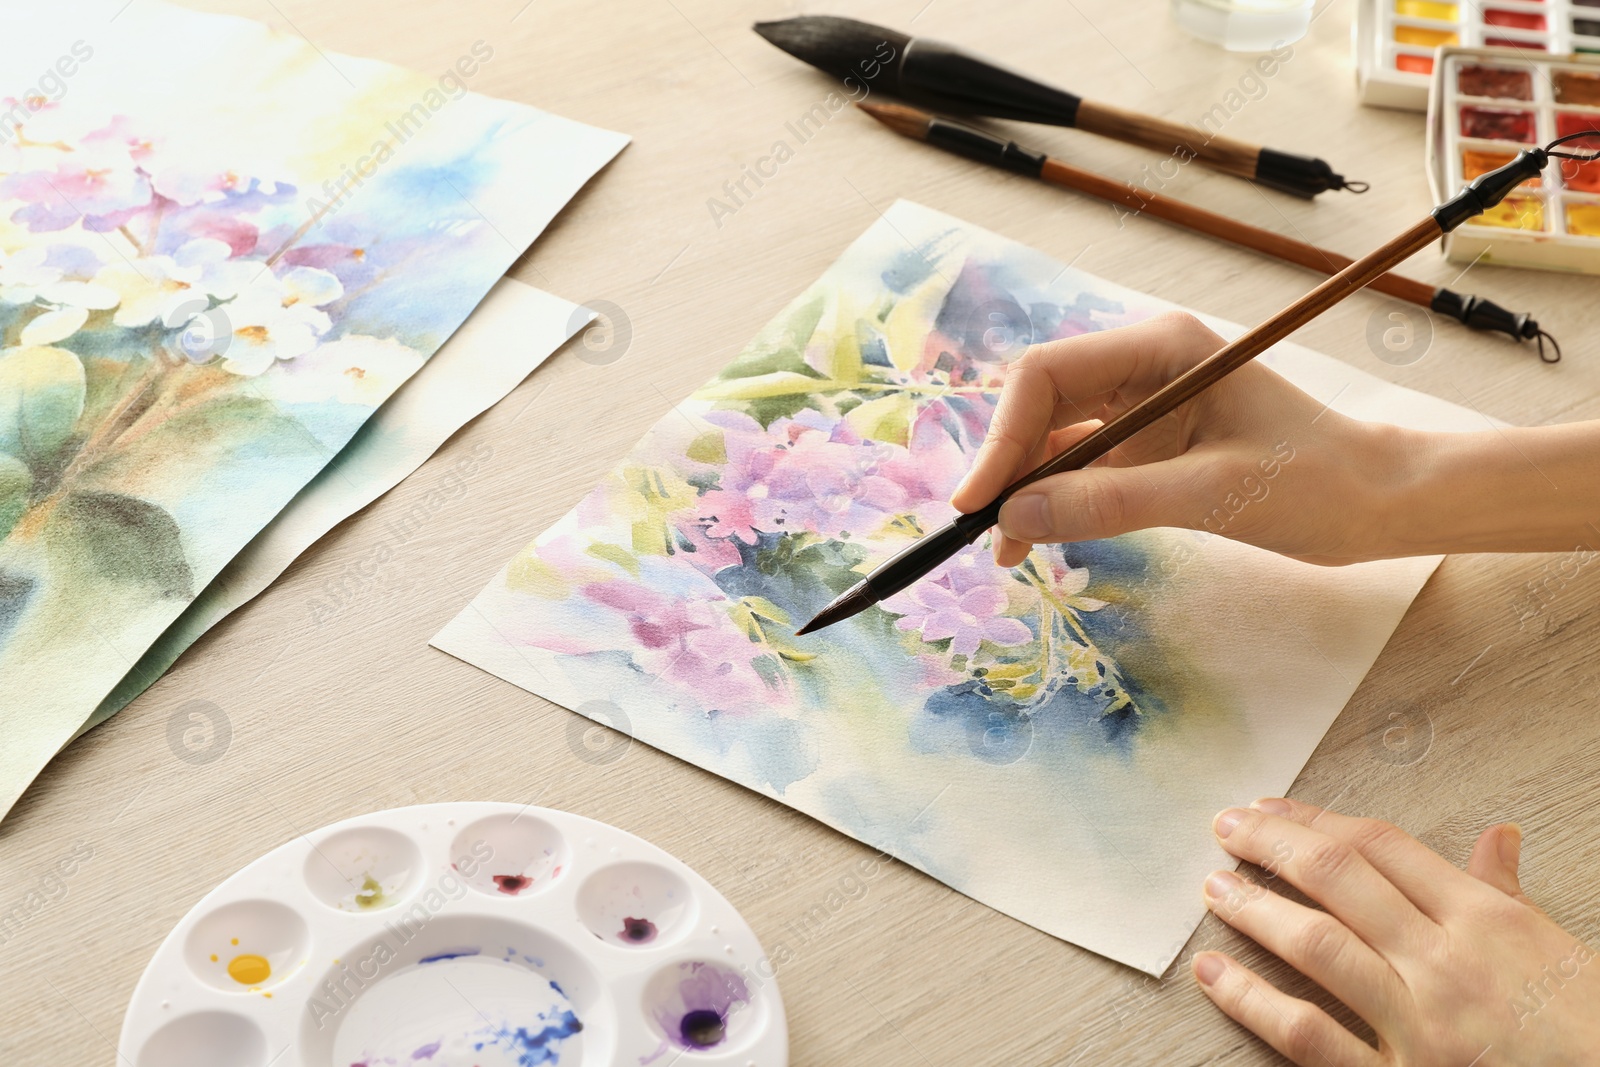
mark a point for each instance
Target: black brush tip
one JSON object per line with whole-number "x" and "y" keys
{"x": 852, "y": 601}
{"x": 837, "y": 45}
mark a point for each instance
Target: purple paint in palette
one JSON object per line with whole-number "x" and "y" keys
{"x": 706, "y": 998}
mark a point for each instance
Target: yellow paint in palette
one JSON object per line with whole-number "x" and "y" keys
{"x": 1583, "y": 219}
{"x": 249, "y": 969}
{"x": 1514, "y": 213}
{"x": 371, "y": 895}
{"x": 1427, "y": 9}
{"x": 1475, "y": 164}
{"x": 1425, "y": 37}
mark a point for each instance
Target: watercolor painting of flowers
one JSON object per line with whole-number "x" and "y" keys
{"x": 1051, "y": 739}
{"x": 190, "y": 330}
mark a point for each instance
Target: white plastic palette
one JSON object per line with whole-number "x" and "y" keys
{"x": 449, "y": 935}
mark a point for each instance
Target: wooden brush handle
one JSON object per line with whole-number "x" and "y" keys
{"x": 1235, "y": 354}
{"x": 1162, "y": 135}
{"x": 1224, "y": 228}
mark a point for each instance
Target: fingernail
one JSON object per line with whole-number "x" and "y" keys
{"x": 1225, "y": 822}
{"x": 1221, "y": 883}
{"x": 1208, "y": 968}
{"x": 1273, "y": 806}
{"x": 1023, "y": 517}
{"x": 1510, "y": 846}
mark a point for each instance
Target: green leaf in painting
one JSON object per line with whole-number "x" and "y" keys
{"x": 911, "y": 321}
{"x": 183, "y": 446}
{"x": 782, "y": 345}
{"x": 709, "y": 447}
{"x": 846, "y": 363}
{"x": 766, "y": 609}
{"x": 15, "y": 481}
{"x": 41, "y": 397}
{"x": 888, "y": 418}
{"x": 615, "y": 554}
{"x": 121, "y": 538}
{"x": 757, "y": 387}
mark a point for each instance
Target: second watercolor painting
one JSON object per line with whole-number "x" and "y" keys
{"x": 1052, "y": 739}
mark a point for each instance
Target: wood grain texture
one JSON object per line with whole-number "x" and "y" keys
{"x": 1481, "y": 708}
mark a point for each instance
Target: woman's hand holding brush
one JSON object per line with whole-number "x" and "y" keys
{"x": 1256, "y": 459}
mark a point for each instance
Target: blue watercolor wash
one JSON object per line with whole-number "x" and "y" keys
{"x": 452, "y": 954}
{"x": 914, "y": 266}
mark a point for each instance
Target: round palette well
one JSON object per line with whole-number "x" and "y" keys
{"x": 460, "y": 935}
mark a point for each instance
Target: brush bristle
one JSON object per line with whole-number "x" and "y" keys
{"x": 907, "y": 121}
{"x": 843, "y": 47}
{"x": 852, "y": 601}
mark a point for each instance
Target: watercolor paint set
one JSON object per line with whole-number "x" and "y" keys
{"x": 497, "y": 935}
{"x": 1396, "y": 40}
{"x": 1490, "y": 103}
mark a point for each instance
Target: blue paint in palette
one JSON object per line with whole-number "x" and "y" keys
{"x": 534, "y": 1047}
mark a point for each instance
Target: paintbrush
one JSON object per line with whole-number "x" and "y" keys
{"x": 954, "y": 81}
{"x": 926, "y": 553}
{"x": 1473, "y": 311}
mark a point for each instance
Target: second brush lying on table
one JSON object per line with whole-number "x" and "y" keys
{"x": 1475, "y": 312}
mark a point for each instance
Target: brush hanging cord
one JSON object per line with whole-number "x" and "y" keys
{"x": 1580, "y": 156}
{"x": 1466, "y": 205}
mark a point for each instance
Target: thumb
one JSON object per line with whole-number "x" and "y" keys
{"x": 1495, "y": 859}
{"x": 1097, "y": 502}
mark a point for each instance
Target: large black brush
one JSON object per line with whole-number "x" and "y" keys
{"x": 945, "y": 78}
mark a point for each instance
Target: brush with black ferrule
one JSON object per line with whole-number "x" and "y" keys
{"x": 925, "y": 554}
{"x": 958, "y": 82}
{"x": 1474, "y": 312}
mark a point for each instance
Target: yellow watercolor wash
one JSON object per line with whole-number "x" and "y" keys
{"x": 233, "y": 941}
{"x": 1514, "y": 213}
{"x": 1426, "y": 9}
{"x": 1583, "y": 219}
{"x": 249, "y": 969}
{"x": 1426, "y": 38}
{"x": 213, "y": 957}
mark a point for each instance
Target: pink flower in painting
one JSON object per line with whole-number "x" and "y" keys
{"x": 968, "y": 618}
{"x": 964, "y": 600}
{"x": 97, "y": 182}
{"x": 807, "y": 474}
{"x": 692, "y": 645}
{"x": 730, "y": 514}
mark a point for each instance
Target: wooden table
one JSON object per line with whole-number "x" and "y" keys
{"x": 1492, "y": 672}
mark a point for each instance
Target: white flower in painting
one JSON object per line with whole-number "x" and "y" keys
{"x": 53, "y": 326}
{"x": 148, "y": 289}
{"x": 351, "y": 370}
{"x": 79, "y": 294}
{"x": 221, "y": 275}
{"x": 25, "y": 278}
{"x": 277, "y": 318}
{"x": 23, "y": 273}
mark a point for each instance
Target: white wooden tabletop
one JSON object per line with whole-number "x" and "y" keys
{"x": 1482, "y": 707}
